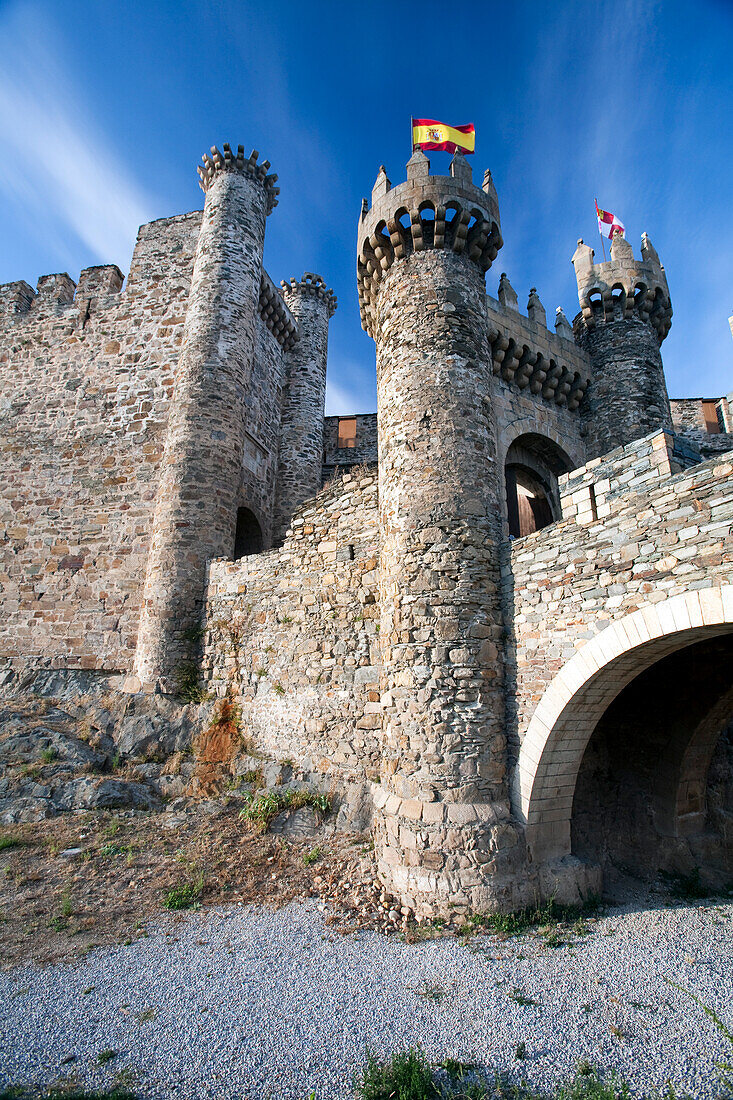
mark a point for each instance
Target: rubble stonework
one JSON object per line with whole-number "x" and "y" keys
{"x": 448, "y": 622}
{"x": 300, "y": 460}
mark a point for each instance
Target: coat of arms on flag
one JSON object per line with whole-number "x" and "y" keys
{"x": 428, "y": 133}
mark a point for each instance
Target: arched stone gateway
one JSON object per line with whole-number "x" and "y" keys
{"x": 572, "y": 706}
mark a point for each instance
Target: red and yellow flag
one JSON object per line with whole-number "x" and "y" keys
{"x": 429, "y": 134}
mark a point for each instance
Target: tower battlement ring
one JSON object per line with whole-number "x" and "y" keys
{"x": 424, "y": 212}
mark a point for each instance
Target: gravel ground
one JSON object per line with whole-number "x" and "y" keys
{"x": 241, "y": 1002}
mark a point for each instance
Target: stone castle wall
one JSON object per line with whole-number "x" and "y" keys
{"x": 655, "y": 537}
{"x": 294, "y": 634}
{"x": 85, "y": 388}
{"x": 85, "y": 391}
{"x": 337, "y": 458}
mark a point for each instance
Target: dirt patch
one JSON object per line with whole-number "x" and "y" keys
{"x": 77, "y": 881}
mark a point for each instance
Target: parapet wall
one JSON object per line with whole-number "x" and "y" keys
{"x": 294, "y": 634}
{"x": 549, "y": 366}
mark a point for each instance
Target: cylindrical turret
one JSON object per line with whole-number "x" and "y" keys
{"x": 300, "y": 461}
{"x": 625, "y": 315}
{"x": 202, "y": 467}
{"x": 442, "y": 827}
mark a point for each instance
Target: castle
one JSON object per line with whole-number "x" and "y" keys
{"x": 500, "y": 609}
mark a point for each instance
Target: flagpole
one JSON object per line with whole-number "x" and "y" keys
{"x": 603, "y": 243}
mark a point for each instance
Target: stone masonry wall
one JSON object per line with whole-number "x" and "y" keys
{"x": 85, "y": 385}
{"x": 568, "y": 582}
{"x": 294, "y": 633}
{"x": 341, "y": 458}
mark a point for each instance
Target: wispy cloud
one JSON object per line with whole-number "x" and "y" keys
{"x": 343, "y": 400}
{"x": 55, "y": 159}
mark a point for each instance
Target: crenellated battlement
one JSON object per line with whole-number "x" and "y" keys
{"x": 313, "y": 285}
{"x": 57, "y": 293}
{"x": 276, "y": 314}
{"x": 424, "y": 212}
{"x": 527, "y": 355}
{"x": 623, "y": 286}
{"x": 227, "y": 161}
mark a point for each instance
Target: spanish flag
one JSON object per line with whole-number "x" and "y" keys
{"x": 429, "y": 134}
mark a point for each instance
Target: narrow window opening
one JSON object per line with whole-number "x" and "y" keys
{"x": 347, "y": 432}
{"x": 593, "y": 501}
{"x": 710, "y": 413}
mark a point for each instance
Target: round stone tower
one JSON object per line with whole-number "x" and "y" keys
{"x": 625, "y": 315}
{"x": 300, "y": 462}
{"x": 202, "y": 467}
{"x": 444, "y": 837}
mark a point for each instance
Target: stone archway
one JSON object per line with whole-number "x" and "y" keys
{"x": 571, "y": 707}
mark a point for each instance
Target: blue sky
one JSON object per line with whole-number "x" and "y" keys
{"x": 106, "y": 108}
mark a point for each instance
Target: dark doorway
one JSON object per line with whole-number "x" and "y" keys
{"x": 532, "y": 466}
{"x": 528, "y": 504}
{"x": 655, "y": 786}
{"x": 248, "y": 539}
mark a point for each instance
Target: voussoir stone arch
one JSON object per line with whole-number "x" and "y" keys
{"x": 571, "y": 706}
{"x": 536, "y": 425}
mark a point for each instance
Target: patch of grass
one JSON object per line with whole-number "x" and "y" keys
{"x": 48, "y": 755}
{"x": 456, "y": 1069}
{"x": 264, "y": 807}
{"x": 433, "y": 991}
{"x": 106, "y": 1056}
{"x": 407, "y": 1075}
{"x": 523, "y": 920}
{"x": 7, "y": 842}
{"x": 66, "y": 906}
{"x": 520, "y": 998}
{"x": 110, "y": 849}
{"x": 278, "y": 688}
{"x": 185, "y": 896}
{"x": 188, "y": 683}
{"x": 312, "y": 856}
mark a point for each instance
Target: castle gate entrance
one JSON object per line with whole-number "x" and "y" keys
{"x": 628, "y": 759}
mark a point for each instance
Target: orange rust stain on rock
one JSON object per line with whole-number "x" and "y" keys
{"x": 217, "y": 747}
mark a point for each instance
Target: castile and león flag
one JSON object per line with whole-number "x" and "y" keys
{"x": 608, "y": 223}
